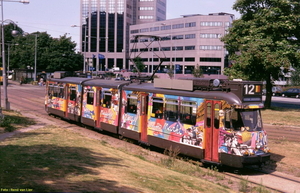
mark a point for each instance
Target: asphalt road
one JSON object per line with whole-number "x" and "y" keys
{"x": 285, "y": 102}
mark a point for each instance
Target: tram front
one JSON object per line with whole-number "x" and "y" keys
{"x": 242, "y": 139}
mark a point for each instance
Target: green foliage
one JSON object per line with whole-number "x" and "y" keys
{"x": 138, "y": 64}
{"x": 295, "y": 77}
{"x": 197, "y": 72}
{"x": 264, "y": 40}
{"x": 10, "y": 122}
{"x": 51, "y": 53}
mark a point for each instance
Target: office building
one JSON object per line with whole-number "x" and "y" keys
{"x": 185, "y": 42}
{"x": 105, "y": 29}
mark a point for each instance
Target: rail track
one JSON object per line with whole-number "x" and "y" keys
{"x": 29, "y": 100}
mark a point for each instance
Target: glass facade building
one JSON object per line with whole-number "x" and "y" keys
{"x": 105, "y": 29}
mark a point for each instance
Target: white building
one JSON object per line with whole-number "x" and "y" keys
{"x": 186, "y": 41}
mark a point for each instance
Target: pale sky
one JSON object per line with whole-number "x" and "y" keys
{"x": 56, "y": 16}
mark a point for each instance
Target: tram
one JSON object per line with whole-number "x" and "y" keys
{"x": 215, "y": 121}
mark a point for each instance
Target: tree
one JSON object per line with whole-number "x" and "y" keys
{"x": 139, "y": 65}
{"x": 295, "y": 77}
{"x": 197, "y": 72}
{"x": 264, "y": 40}
{"x": 52, "y": 54}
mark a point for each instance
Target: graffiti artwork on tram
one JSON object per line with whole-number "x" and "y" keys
{"x": 241, "y": 143}
{"x": 110, "y": 106}
{"x": 74, "y": 103}
{"x": 130, "y": 111}
{"x": 88, "y": 110}
{"x": 185, "y": 127}
{"x": 54, "y": 97}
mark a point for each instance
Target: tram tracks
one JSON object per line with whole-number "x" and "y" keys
{"x": 31, "y": 101}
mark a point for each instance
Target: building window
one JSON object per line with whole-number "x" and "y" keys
{"x": 146, "y": 17}
{"x": 190, "y": 36}
{"x": 177, "y": 48}
{"x": 134, "y": 31}
{"x": 165, "y": 27}
{"x": 191, "y": 24}
{"x": 211, "y": 23}
{"x": 211, "y": 47}
{"x": 216, "y": 36}
{"x": 189, "y": 59}
{"x": 210, "y": 59}
{"x": 144, "y": 30}
{"x": 189, "y": 47}
{"x": 154, "y": 29}
{"x": 177, "y": 26}
{"x": 165, "y": 38}
{"x": 177, "y": 37}
{"x": 165, "y": 48}
{"x": 145, "y": 8}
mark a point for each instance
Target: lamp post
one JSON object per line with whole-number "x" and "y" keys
{"x": 6, "y": 103}
{"x": 35, "y": 56}
{"x": 84, "y": 46}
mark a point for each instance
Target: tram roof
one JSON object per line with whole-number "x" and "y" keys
{"x": 72, "y": 80}
{"x": 213, "y": 95}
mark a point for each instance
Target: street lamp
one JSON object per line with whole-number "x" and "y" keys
{"x": 35, "y": 56}
{"x": 6, "y": 103}
{"x": 84, "y": 41}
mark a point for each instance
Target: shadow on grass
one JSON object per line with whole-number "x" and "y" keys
{"x": 52, "y": 168}
{"x": 13, "y": 122}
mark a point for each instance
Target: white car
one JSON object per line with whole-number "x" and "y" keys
{"x": 115, "y": 69}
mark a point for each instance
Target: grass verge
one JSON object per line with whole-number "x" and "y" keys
{"x": 12, "y": 120}
{"x": 57, "y": 160}
{"x": 281, "y": 116}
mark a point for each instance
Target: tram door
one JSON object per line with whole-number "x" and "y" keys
{"x": 143, "y": 117}
{"x": 212, "y": 130}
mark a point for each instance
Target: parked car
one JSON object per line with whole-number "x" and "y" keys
{"x": 276, "y": 91}
{"x": 292, "y": 92}
{"x": 115, "y": 69}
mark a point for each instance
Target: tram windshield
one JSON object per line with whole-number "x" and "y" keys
{"x": 249, "y": 120}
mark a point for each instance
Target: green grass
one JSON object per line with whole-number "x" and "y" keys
{"x": 281, "y": 116}
{"x": 13, "y": 120}
{"x": 51, "y": 159}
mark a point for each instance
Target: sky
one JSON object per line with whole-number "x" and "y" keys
{"x": 57, "y": 16}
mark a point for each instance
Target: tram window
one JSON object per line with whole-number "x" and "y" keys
{"x": 73, "y": 94}
{"x": 157, "y": 108}
{"x": 217, "y": 118}
{"x": 50, "y": 91}
{"x": 131, "y": 104}
{"x": 61, "y": 93}
{"x": 171, "y": 112}
{"x": 90, "y": 97}
{"x": 107, "y": 100}
{"x": 227, "y": 119}
{"x": 236, "y": 119}
{"x": 208, "y": 114}
{"x": 188, "y": 112}
{"x": 55, "y": 90}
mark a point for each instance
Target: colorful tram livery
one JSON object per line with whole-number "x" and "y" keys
{"x": 215, "y": 121}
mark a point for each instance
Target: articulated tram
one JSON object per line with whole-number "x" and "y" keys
{"x": 215, "y": 121}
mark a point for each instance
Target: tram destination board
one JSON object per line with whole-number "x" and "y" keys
{"x": 248, "y": 91}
